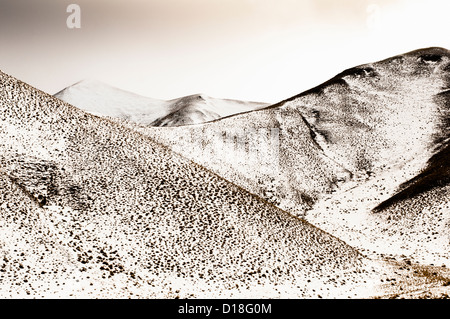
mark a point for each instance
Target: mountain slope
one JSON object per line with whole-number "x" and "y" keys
{"x": 413, "y": 224}
{"x": 385, "y": 116}
{"x": 422, "y": 208}
{"x": 403, "y": 209}
{"x": 95, "y": 209}
{"x": 380, "y": 114}
{"x": 435, "y": 176}
{"x": 104, "y": 100}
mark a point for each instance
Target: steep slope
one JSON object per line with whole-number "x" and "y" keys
{"x": 104, "y": 100}
{"x": 385, "y": 116}
{"x": 378, "y": 115}
{"x": 95, "y": 209}
{"x": 422, "y": 208}
{"x": 270, "y": 152}
{"x": 435, "y": 176}
{"x": 402, "y": 209}
{"x": 413, "y": 224}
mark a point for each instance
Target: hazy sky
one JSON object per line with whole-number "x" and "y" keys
{"x": 263, "y": 50}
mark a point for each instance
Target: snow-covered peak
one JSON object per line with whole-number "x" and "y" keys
{"x": 104, "y": 100}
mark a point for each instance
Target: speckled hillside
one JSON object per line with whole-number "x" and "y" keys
{"x": 402, "y": 207}
{"x": 363, "y": 156}
{"x": 90, "y": 208}
{"x": 388, "y": 115}
{"x": 271, "y": 152}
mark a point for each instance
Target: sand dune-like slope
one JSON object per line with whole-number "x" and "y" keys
{"x": 101, "y": 99}
{"x": 90, "y": 208}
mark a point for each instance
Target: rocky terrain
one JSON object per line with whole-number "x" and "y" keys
{"x": 90, "y": 208}
{"x": 110, "y": 206}
{"x": 387, "y": 115}
{"x": 360, "y": 142}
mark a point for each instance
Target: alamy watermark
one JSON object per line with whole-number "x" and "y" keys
{"x": 74, "y": 19}
{"x": 374, "y": 17}
{"x": 243, "y": 148}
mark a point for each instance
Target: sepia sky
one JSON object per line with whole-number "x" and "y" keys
{"x": 260, "y": 50}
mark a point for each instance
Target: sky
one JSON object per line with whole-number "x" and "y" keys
{"x": 257, "y": 50}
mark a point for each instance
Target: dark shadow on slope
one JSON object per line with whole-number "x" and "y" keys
{"x": 437, "y": 174}
{"x": 35, "y": 199}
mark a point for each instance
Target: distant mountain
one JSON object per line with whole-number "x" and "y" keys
{"x": 104, "y": 100}
{"x": 89, "y": 208}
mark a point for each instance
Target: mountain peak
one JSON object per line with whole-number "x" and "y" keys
{"x": 99, "y": 98}
{"x": 89, "y": 82}
{"x": 430, "y": 50}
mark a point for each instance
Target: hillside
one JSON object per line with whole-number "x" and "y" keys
{"x": 378, "y": 117}
{"x": 90, "y": 208}
{"x": 363, "y": 156}
{"x": 402, "y": 209}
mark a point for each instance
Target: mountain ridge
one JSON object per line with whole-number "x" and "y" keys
{"x": 105, "y": 100}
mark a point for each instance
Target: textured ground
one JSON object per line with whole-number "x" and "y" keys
{"x": 93, "y": 206}
{"x": 402, "y": 206}
{"x": 386, "y": 116}
{"x": 363, "y": 156}
{"x": 90, "y": 208}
